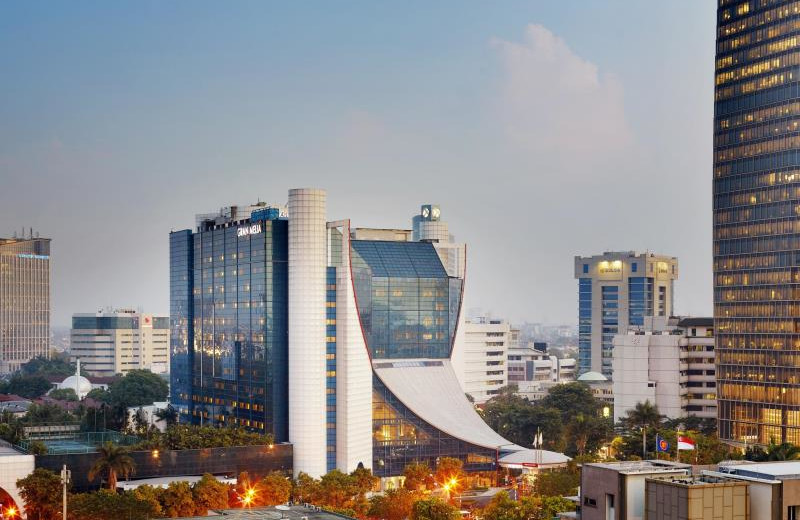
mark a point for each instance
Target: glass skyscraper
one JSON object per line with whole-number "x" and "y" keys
{"x": 756, "y": 224}
{"x": 343, "y": 345}
{"x": 229, "y": 340}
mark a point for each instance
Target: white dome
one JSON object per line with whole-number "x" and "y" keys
{"x": 80, "y": 384}
{"x": 592, "y": 377}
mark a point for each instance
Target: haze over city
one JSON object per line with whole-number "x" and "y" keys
{"x": 537, "y": 127}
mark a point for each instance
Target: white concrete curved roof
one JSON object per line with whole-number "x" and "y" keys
{"x": 430, "y": 389}
{"x": 528, "y": 456}
{"x": 592, "y": 376}
{"x": 80, "y": 384}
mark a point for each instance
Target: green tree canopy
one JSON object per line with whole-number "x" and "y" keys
{"x": 418, "y": 476}
{"x": 138, "y": 387}
{"x": 209, "y": 493}
{"x": 274, "y": 489}
{"x": 395, "y": 504}
{"x": 64, "y": 394}
{"x": 29, "y": 387}
{"x": 434, "y": 509}
{"x": 108, "y": 505}
{"x": 178, "y": 500}
{"x": 54, "y": 367}
{"x": 41, "y": 491}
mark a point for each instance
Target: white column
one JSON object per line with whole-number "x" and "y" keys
{"x": 353, "y": 375}
{"x": 307, "y": 266}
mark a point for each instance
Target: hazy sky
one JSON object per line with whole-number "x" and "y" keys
{"x": 543, "y": 129}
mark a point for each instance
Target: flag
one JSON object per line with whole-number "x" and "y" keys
{"x": 685, "y": 443}
{"x": 541, "y": 440}
{"x": 661, "y": 444}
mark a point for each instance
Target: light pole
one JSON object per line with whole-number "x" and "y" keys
{"x": 65, "y": 478}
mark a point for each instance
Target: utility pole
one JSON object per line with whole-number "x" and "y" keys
{"x": 65, "y": 477}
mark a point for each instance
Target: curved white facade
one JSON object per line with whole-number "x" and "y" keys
{"x": 307, "y": 348}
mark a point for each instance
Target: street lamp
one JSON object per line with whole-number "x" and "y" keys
{"x": 65, "y": 478}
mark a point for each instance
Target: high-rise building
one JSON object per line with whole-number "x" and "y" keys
{"x": 335, "y": 339}
{"x": 24, "y": 301}
{"x": 616, "y": 291}
{"x": 482, "y": 365}
{"x": 115, "y": 342}
{"x": 671, "y": 364}
{"x": 756, "y": 225}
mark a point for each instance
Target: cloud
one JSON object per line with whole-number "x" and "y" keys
{"x": 553, "y": 101}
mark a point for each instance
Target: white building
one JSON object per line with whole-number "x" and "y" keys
{"x": 671, "y": 364}
{"x": 114, "y": 342}
{"x": 480, "y": 358}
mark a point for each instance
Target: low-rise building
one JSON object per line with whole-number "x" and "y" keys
{"x": 669, "y": 362}
{"x": 773, "y": 487}
{"x": 616, "y": 490}
{"x": 114, "y": 342}
{"x": 703, "y": 497}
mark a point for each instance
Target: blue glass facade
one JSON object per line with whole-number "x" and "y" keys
{"x": 584, "y": 323}
{"x": 610, "y": 323}
{"x": 407, "y": 303}
{"x": 330, "y": 378}
{"x": 640, "y": 299}
{"x": 229, "y": 315}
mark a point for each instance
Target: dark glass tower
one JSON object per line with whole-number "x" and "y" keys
{"x": 229, "y": 321}
{"x": 756, "y": 224}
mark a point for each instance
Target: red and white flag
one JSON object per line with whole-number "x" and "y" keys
{"x": 685, "y": 443}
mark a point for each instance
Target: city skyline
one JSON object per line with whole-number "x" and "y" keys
{"x": 121, "y": 143}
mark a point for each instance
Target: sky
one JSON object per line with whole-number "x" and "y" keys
{"x": 543, "y": 129}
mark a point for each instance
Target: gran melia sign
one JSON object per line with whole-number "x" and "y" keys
{"x": 248, "y": 230}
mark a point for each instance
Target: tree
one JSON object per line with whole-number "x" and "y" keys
{"x": 558, "y": 482}
{"x": 138, "y": 387}
{"x": 209, "y": 493}
{"x": 774, "y": 452}
{"x": 55, "y": 367}
{"x": 395, "y": 504}
{"x": 274, "y": 489}
{"x": 178, "y": 500}
{"x": 306, "y": 488}
{"x": 41, "y": 492}
{"x": 63, "y": 394}
{"x": 47, "y": 414}
{"x": 434, "y": 509}
{"x": 169, "y": 415}
{"x": 447, "y": 469}
{"x": 571, "y": 399}
{"x": 114, "y": 461}
{"x": 501, "y": 507}
{"x": 643, "y": 416}
{"x": 29, "y": 387}
{"x": 151, "y": 495}
{"x": 586, "y": 434}
{"x": 417, "y": 476}
{"x": 100, "y": 394}
{"x": 109, "y": 505}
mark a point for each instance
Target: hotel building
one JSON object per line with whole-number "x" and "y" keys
{"x": 24, "y": 301}
{"x": 338, "y": 340}
{"x": 756, "y": 187}
{"x": 616, "y": 291}
{"x": 480, "y": 360}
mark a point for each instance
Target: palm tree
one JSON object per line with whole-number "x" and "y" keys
{"x": 782, "y": 451}
{"x": 114, "y": 460}
{"x": 643, "y": 415}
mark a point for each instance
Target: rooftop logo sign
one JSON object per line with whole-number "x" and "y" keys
{"x": 248, "y": 230}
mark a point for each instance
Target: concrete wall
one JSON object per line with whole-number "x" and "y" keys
{"x": 670, "y": 501}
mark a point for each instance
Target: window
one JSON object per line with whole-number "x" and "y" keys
{"x": 791, "y": 513}
{"x": 589, "y": 502}
{"x": 634, "y": 267}
{"x": 585, "y": 268}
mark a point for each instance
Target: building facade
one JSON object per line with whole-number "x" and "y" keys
{"x": 756, "y": 228}
{"x": 341, "y": 341}
{"x": 671, "y": 364}
{"x": 482, "y": 370}
{"x": 24, "y": 301}
{"x": 616, "y": 291}
{"x": 115, "y": 342}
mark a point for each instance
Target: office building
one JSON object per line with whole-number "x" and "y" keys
{"x": 335, "y": 339}
{"x": 756, "y": 228}
{"x": 531, "y": 364}
{"x": 24, "y": 301}
{"x": 116, "y": 341}
{"x": 480, "y": 361}
{"x": 669, "y": 363}
{"x": 616, "y": 291}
